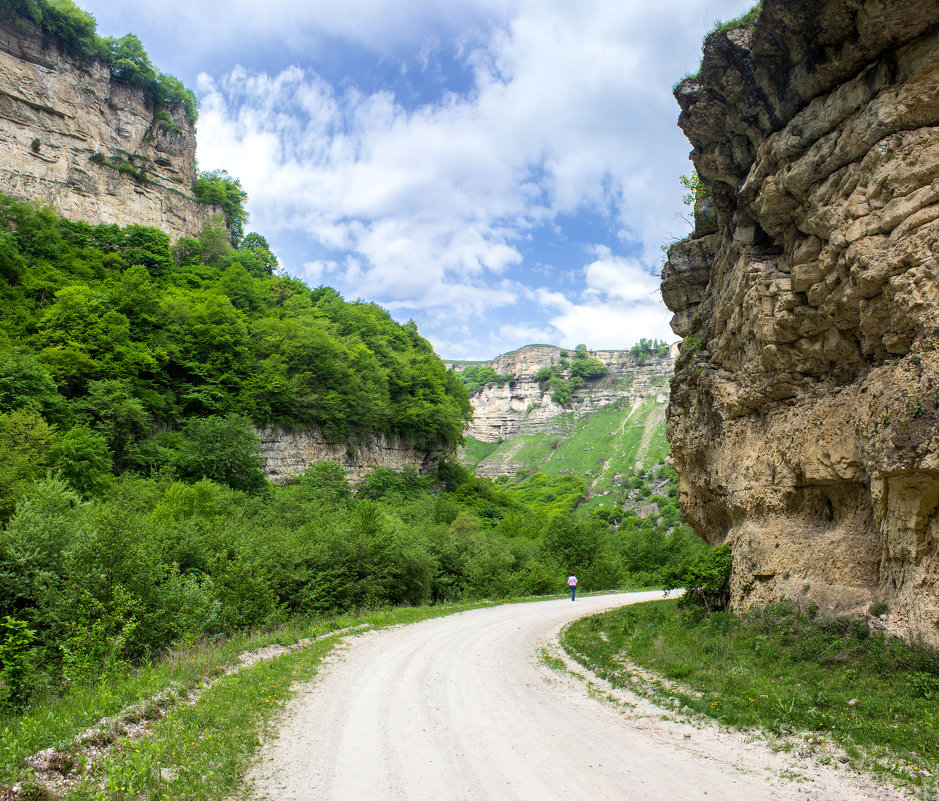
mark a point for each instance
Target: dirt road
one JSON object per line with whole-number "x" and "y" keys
{"x": 463, "y": 708}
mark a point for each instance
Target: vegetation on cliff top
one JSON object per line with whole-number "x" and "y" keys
{"x": 566, "y": 377}
{"x": 218, "y": 188}
{"x": 477, "y": 376}
{"x": 124, "y": 55}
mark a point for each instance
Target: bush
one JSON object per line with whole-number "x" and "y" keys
{"x": 218, "y": 188}
{"x": 225, "y": 450}
{"x": 15, "y": 662}
{"x": 706, "y": 579}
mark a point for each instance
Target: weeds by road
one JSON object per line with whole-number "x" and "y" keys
{"x": 819, "y": 684}
{"x": 203, "y": 716}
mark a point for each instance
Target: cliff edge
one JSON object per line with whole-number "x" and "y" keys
{"x": 803, "y": 418}
{"x": 90, "y": 145}
{"x": 523, "y": 405}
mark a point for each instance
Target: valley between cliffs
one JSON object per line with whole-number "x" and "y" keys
{"x": 804, "y": 416}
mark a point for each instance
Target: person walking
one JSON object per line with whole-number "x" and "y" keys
{"x": 572, "y": 583}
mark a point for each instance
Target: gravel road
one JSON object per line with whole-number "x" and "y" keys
{"x": 462, "y": 708}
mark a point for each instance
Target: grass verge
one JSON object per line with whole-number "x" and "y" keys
{"x": 196, "y": 750}
{"x": 825, "y": 685}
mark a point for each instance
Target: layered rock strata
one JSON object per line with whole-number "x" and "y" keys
{"x": 288, "y": 452}
{"x": 803, "y": 418}
{"x": 522, "y": 406}
{"x": 89, "y": 145}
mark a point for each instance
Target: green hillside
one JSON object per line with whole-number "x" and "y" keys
{"x": 616, "y": 441}
{"x": 114, "y": 334}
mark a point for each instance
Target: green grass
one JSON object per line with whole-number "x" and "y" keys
{"x": 606, "y": 443}
{"x": 475, "y": 451}
{"x": 591, "y": 442}
{"x": 784, "y": 672}
{"x": 613, "y": 441}
{"x": 745, "y": 20}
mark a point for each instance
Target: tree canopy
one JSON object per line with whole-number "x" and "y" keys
{"x": 112, "y": 327}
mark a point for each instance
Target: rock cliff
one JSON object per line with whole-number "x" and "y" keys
{"x": 91, "y": 146}
{"x": 803, "y": 418}
{"x": 521, "y": 406}
{"x": 287, "y": 453}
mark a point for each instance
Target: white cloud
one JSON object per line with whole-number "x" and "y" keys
{"x": 432, "y": 208}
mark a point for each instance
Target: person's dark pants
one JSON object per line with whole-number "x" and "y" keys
{"x": 573, "y": 591}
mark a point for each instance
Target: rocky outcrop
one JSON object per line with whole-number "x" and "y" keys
{"x": 91, "y": 146}
{"x": 521, "y": 406}
{"x": 803, "y": 418}
{"x": 288, "y": 452}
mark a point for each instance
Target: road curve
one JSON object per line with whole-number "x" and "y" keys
{"x": 461, "y": 708}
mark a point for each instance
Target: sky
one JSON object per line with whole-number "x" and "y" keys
{"x": 503, "y": 172}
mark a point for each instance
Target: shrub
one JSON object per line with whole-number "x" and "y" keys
{"x": 224, "y": 449}
{"x": 15, "y": 661}
{"x": 220, "y": 189}
{"x": 706, "y": 579}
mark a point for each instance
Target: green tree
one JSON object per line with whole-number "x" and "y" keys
{"x": 25, "y": 441}
{"x": 111, "y": 409}
{"x": 220, "y": 189}
{"x": 225, "y": 450}
{"x": 25, "y": 382}
{"x": 214, "y": 240}
{"x": 257, "y": 244}
{"x": 82, "y": 458}
{"x": 128, "y": 59}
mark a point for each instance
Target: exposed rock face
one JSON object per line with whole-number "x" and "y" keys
{"x": 287, "y": 453}
{"x": 803, "y": 418}
{"x": 521, "y": 406}
{"x": 58, "y": 112}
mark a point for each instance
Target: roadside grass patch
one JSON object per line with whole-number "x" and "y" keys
{"x": 825, "y": 682}
{"x": 202, "y": 751}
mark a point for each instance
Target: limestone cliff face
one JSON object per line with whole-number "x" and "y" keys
{"x": 521, "y": 406}
{"x": 61, "y": 117}
{"x": 287, "y": 453}
{"x": 803, "y": 418}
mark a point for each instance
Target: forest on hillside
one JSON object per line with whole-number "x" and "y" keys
{"x": 120, "y": 341}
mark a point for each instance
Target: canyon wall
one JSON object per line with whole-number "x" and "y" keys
{"x": 67, "y": 128}
{"x": 288, "y": 452}
{"x": 803, "y": 418}
{"x": 521, "y": 406}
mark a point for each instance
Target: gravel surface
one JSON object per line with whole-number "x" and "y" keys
{"x": 462, "y": 708}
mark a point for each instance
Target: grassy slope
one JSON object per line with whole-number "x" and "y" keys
{"x": 613, "y": 441}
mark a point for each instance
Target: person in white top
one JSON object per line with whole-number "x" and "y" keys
{"x": 572, "y": 583}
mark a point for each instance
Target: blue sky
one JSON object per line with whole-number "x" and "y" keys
{"x": 501, "y": 171}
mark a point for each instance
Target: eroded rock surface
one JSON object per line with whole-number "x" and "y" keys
{"x": 66, "y": 126}
{"x": 521, "y": 406}
{"x": 803, "y": 417}
{"x": 288, "y": 452}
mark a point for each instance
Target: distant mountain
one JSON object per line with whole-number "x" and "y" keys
{"x": 610, "y": 429}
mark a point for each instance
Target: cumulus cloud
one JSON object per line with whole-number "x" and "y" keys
{"x": 435, "y": 209}
{"x": 621, "y": 304}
